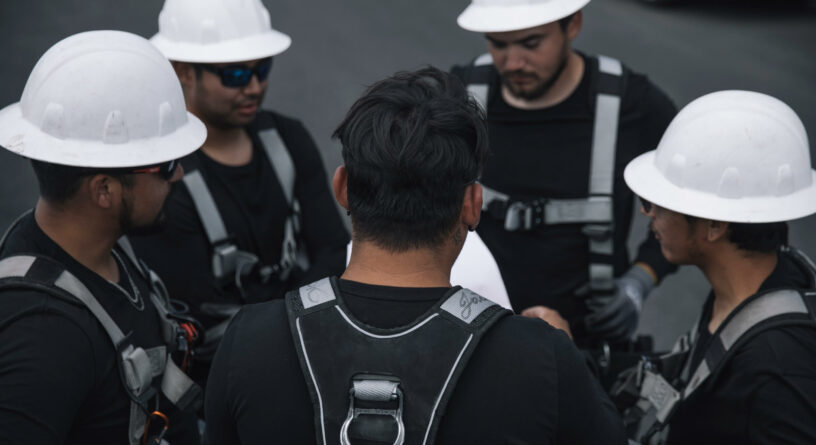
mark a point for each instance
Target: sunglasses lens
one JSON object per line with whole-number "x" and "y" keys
{"x": 236, "y": 76}
{"x": 169, "y": 169}
{"x": 262, "y": 71}
{"x": 647, "y": 206}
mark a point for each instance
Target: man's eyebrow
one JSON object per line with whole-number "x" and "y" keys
{"x": 519, "y": 42}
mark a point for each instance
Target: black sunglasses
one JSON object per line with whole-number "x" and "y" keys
{"x": 238, "y": 76}
{"x": 166, "y": 169}
{"x": 647, "y": 206}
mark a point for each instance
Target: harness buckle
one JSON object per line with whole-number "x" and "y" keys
{"x": 372, "y": 397}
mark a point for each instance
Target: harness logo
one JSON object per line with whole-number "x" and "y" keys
{"x": 466, "y": 302}
{"x": 466, "y": 305}
{"x": 316, "y": 293}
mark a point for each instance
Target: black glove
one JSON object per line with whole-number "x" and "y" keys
{"x": 615, "y": 316}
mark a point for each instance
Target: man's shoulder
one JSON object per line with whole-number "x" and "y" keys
{"x": 513, "y": 335}
{"x": 781, "y": 350}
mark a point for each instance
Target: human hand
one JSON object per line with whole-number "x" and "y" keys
{"x": 551, "y": 316}
{"x": 614, "y": 316}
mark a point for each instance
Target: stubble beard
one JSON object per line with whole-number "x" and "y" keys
{"x": 543, "y": 87}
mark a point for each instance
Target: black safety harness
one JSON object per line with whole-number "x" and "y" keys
{"x": 386, "y": 386}
{"x": 145, "y": 372}
{"x": 596, "y": 210}
{"x": 650, "y": 392}
{"x": 230, "y": 264}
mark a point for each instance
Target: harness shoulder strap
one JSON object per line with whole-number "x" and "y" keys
{"x": 205, "y": 207}
{"x": 608, "y": 87}
{"x": 478, "y": 82}
{"x": 281, "y": 161}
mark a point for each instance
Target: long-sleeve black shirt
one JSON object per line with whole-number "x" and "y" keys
{"x": 254, "y": 210}
{"x": 766, "y": 393}
{"x": 546, "y": 153}
{"x": 59, "y": 372}
{"x": 525, "y": 382}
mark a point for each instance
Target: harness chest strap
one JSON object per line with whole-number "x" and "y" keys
{"x": 596, "y": 211}
{"x": 333, "y": 371}
{"x": 228, "y": 260}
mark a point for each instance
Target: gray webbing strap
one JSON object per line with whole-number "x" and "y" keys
{"x": 466, "y": 305}
{"x": 281, "y": 161}
{"x": 479, "y": 91}
{"x": 595, "y": 209}
{"x": 767, "y": 306}
{"x": 602, "y": 176}
{"x": 316, "y": 293}
{"x": 176, "y": 386}
{"x": 206, "y": 208}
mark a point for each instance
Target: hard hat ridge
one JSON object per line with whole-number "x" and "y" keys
{"x": 735, "y": 156}
{"x": 101, "y": 99}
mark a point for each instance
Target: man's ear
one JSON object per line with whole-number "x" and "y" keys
{"x": 340, "y": 186}
{"x": 574, "y": 27}
{"x": 716, "y": 230}
{"x": 472, "y": 205}
{"x": 103, "y": 190}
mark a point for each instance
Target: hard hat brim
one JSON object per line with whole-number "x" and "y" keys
{"x": 646, "y": 181}
{"x": 254, "y": 47}
{"x": 479, "y": 18}
{"x": 22, "y": 137}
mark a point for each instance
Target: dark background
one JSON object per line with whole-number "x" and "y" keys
{"x": 689, "y": 48}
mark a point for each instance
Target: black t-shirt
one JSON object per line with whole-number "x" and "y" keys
{"x": 546, "y": 154}
{"x": 254, "y": 210}
{"x": 766, "y": 393}
{"x": 525, "y": 383}
{"x": 59, "y": 377}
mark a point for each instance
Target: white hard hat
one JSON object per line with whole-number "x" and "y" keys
{"x": 101, "y": 99}
{"x": 733, "y": 156}
{"x": 513, "y": 15}
{"x": 217, "y": 31}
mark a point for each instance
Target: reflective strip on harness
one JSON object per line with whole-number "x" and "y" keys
{"x": 601, "y": 179}
{"x": 280, "y": 160}
{"x": 316, "y": 293}
{"x": 767, "y": 306}
{"x": 205, "y": 205}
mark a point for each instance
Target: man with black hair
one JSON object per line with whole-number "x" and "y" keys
{"x": 731, "y": 169}
{"x": 390, "y": 351}
{"x": 91, "y": 350}
{"x": 253, "y": 216}
{"x": 562, "y": 126}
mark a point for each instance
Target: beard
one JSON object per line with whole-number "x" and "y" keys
{"x": 543, "y": 86}
{"x": 128, "y": 227}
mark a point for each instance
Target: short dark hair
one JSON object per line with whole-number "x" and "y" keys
{"x": 756, "y": 237}
{"x": 58, "y": 183}
{"x": 411, "y": 145}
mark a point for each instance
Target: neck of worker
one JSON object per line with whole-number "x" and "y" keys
{"x": 735, "y": 275}
{"x": 563, "y": 87}
{"x": 85, "y": 233}
{"x": 228, "y": 145}
{"x": 370, "y": 263}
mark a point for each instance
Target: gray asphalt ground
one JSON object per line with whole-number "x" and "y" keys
{"x": 689, "y": 48}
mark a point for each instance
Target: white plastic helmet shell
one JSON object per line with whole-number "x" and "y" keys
{"x": 734, "y": 156}
{"x": 101, "y": 99}
{"x": 217, "y": 31}
{"x": 514, "y": 15}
